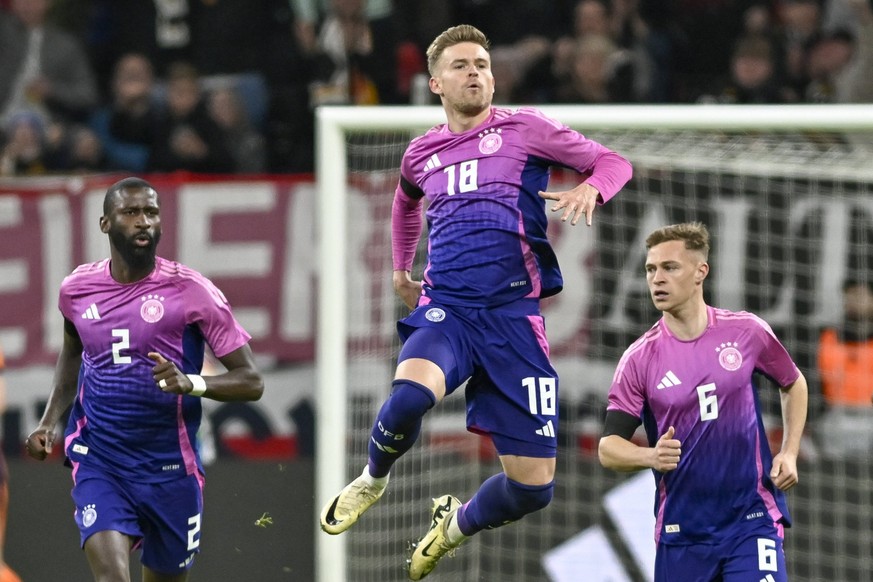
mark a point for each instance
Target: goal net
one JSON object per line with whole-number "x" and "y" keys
{"x": 786, "y": 192}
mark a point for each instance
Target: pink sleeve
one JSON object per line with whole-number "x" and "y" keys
{"x": 609, "y": 174}
{"x": 406, "y": 226}
{"x": 775, "y": 361}
{"x": 212, "y": 313}
{"x": 625, "y": 394}
{"x": 551, "y": 140}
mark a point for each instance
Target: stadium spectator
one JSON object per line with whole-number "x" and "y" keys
{"x": 42, "y": 68}
{"x": 708, "y": 28}
{"x": 7, "y": 574}
{"x": 489, "y": 264}
{"x": 827, "y": 57}
{"x": 590, "y": 18}
{"x": 160, "y": 31}
{"x": 242, "y": 140}
{"x": 800, "y": 23}
{"x": 529, "y": 19}
{"x": 590, "y": 65}
{"x": 511, "y": 63}
{"x": 845, "y": 364}
{"x": 29, "y": 145}
{"x": 720, "y": 506}
{"x": 289, "y": 124}
{"x": 599, "y": 72}
{"x": 135, "y": 366}
{"x": 839, "y": 62}
{"x": 83, "y": 151}
{"x": 351, "y": 52}
{"x": 753, "y": 76}
{"x": 185, "y": 136}
{"x": 126, "y": 126}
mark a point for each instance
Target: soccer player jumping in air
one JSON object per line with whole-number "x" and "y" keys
{"x": 720, "y": 504}
{"x": 477, "y": 312}
{"x": 135, "y": 329}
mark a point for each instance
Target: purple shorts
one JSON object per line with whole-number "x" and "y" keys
{"x": 512, "y": 392}
{"x": 164, "y": 518}
{"x": 759, "y": 555}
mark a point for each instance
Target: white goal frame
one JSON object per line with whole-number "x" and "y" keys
{"x": 332, "y": 123}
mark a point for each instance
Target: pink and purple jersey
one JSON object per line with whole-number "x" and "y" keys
{"x": 487, "y": 224}
{"x": 121, "y": 421}
{"x": 704, "y": 388}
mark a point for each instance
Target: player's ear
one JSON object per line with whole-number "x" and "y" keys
{"x": 104, "y": 224}
{"x": 702, "y": 272}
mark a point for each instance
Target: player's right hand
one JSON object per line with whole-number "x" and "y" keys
{"x": 39, "y": 443}
{"x": 407, "y": 289}
{"x": 667, "y": 452}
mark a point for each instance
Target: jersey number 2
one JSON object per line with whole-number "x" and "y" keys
{"x": 123, "y": 343}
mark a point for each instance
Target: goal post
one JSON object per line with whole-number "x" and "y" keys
{"x": 703, "y": 149}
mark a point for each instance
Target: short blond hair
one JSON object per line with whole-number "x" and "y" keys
{"x": 451, "y": 37}
{"x": 693, "y": 234}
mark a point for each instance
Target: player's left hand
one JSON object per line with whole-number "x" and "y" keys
{"x": 784, "y": 471}
{"x": 576, "y": 203}
{"x": 168, "y": 377}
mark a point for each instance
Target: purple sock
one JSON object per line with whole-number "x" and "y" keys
{"x": 397, "y": 425}
{"x": 499, "y": 501}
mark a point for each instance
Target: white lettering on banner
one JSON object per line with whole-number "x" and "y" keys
{"x": 14, "y": 342}
{"x": 57, "y": 262}
{"x": 297, "y": 304}
{"x": 96, "y": 245}
{"x": 361, "y": 284}
{"x": 199, "y": 204}
{"x": 837, "y": 218}
{"x": 14, "y": 276}
{"x": 730, "y": 277}
{"x": 10, "y": 211}
{"x": 13, "y": 272}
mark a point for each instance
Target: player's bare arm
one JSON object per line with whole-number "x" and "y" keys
{"x": 39, "y": 442}
{"x": 794, "y": 405}
{"x": 620, "y": 454}
{"x": 408, "y": 290}
{"x": 241, "y": 382}
{"x": 575, "y": 203}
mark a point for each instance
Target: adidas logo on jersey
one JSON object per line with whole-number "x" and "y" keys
{"x": 433, "y": 162}
{"x": 91, "y": 312}
{"x": 547, "y": 430}
{"x": 669, "y": 380}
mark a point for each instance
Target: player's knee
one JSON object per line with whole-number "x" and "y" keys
{"x": 408, "y": 400}
{"x": 529, "y": 498}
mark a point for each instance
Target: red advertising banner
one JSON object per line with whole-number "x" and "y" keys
{"x": 254, "y": 238}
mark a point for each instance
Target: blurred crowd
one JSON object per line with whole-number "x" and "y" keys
{"x": 230, "y": 86}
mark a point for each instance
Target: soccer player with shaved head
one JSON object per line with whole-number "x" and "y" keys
{"x": 136, "y": 327}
